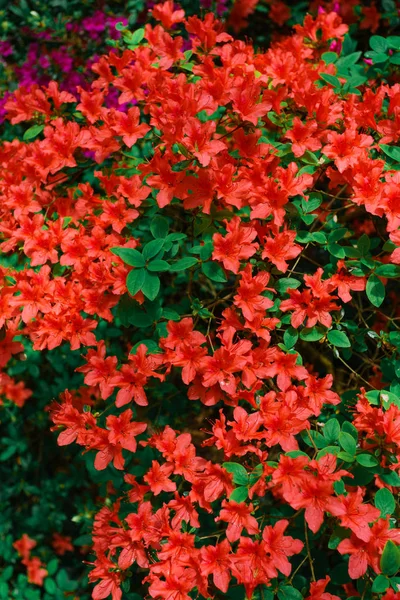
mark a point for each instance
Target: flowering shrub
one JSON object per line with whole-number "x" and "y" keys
{"x": 209, "y": 264}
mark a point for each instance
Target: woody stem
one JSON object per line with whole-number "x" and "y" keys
{"x": 310, "y": 559}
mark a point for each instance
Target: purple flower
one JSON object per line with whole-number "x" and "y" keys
{"x": 5, "y": 48}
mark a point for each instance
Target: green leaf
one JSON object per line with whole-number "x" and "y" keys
{"x": 346, "y": 457}
{"x": 7, "y": 573}
{"x": 387, "y": 399}
{"x": 364, "y": 244}
{"x": 347, "y": 61}
{"x": 52, "y": 566}
{"x": 329, "y": 57}
{"x": 206, "y": 250}
{"x": 287, "y": 592}
{"x": 239, "y": 495}
{"x": 130, "y": 256}
{"x": 348, "y": 427}
{"x": 32, "y": 132}
{"x": 286, "y": 283}
{"x": 393, "y": 41}
{"x": 331, "y": 79}
{"x": 151, "y": 345}
{"x": 175, "y": 237}
{"x": 50, "y": 586}
{"x": 390, "y": 560}
{"x": 184, "y": 263}
{"x": 240, "y": 475}
{"x": 391, "y": 478}
{"x": 313, "y": 202}
{"x": 312, "y": 334}
{"x": 171, "y": 315}
{"x": 384, "y": 500}
{"x": 337, "y": 234}
{"x": 213, "y": 271}
{"x": 375, "y": 290}
{"x": 135, "y": 281}
{"x": 290, "y": 337}
{"x": 338, "y": 339}
{"x": 309, "y": 158}
{"x": 348, "y": 443}
{"x": 367, "y": 460}
{"x": 158, "y": 266}
{"x": 388, "y": 271}
{"x": 336, "y": 250}
{"x": 255, "y": 475}
{"x": 378, "y": 43}
{"x": 136, "y": 37}
{"x": 391, "y": 151}
{"x": 150, "y": 286}
{"x": 152, "y": 248}
{"x": 159, "y": 227}
{"x": 339, "y": 487}
{"x": 380, "y": 585}
{"x": 331, "y": 430}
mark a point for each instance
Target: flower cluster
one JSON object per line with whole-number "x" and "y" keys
{"x": 220, "y": 245}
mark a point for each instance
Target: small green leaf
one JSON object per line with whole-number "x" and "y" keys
{"x": 384, "y": 500}
{"x": 388, "y": 271}
{"x": 150, "y": 286}
{"x": 240, "y": 475}
{"x": 287, "y": 592}
{"x": 313, "y": 202}
{"x": 331, "y": 430}
{"x": 158, "y": 266}
{"x": 130, "y": 256}
{"x": 393, "y": 41}
{"x": 348, "y": 427}
{"x": 329, "y": 57}
{"x": 120, "y": 26}
{"x": 367, "y": 460}
{"x": 387, "y": 399}
{"x": 52, "y": 566}
{"x": 151, "y": 345}
{"x": 136, "y": 37}
{"x": 213, "y": 271}
{"x": 50, "y": 586}
{"x": 312, "y": 334}
{"x": 378, "y": 43}
{"x": 4, "y": 591}
{"x": 309, "y": 158}
{"x": 135, "y": 281}
{"x": 184, "y": 263}
{"x": 375, "y": 290}
{"x": 380, "y": 585}
{"x": 390, "y": 560}
{"x": 152, "y": 248}
{"x": 7, "y": 573}
{"x": 346, "y": 457}
{"x": 364, "y": 244}
{"x": 255, "y": 475}
{"x": 348, "y": 443}
{"x": 171, "y": 315}
{"x": 239, "y": 495}
{"x": 391, "y": 151}
{"x": 338, "y": 339}
{"x": 330, "y": 79}
{"x": 32, "y": 132}
{"x": 282, "y": 285}
{"x": 290, "y": 337}
{"x": 159, "y": 227}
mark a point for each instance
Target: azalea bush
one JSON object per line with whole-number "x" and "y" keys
{"x": 198, "y": 297}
